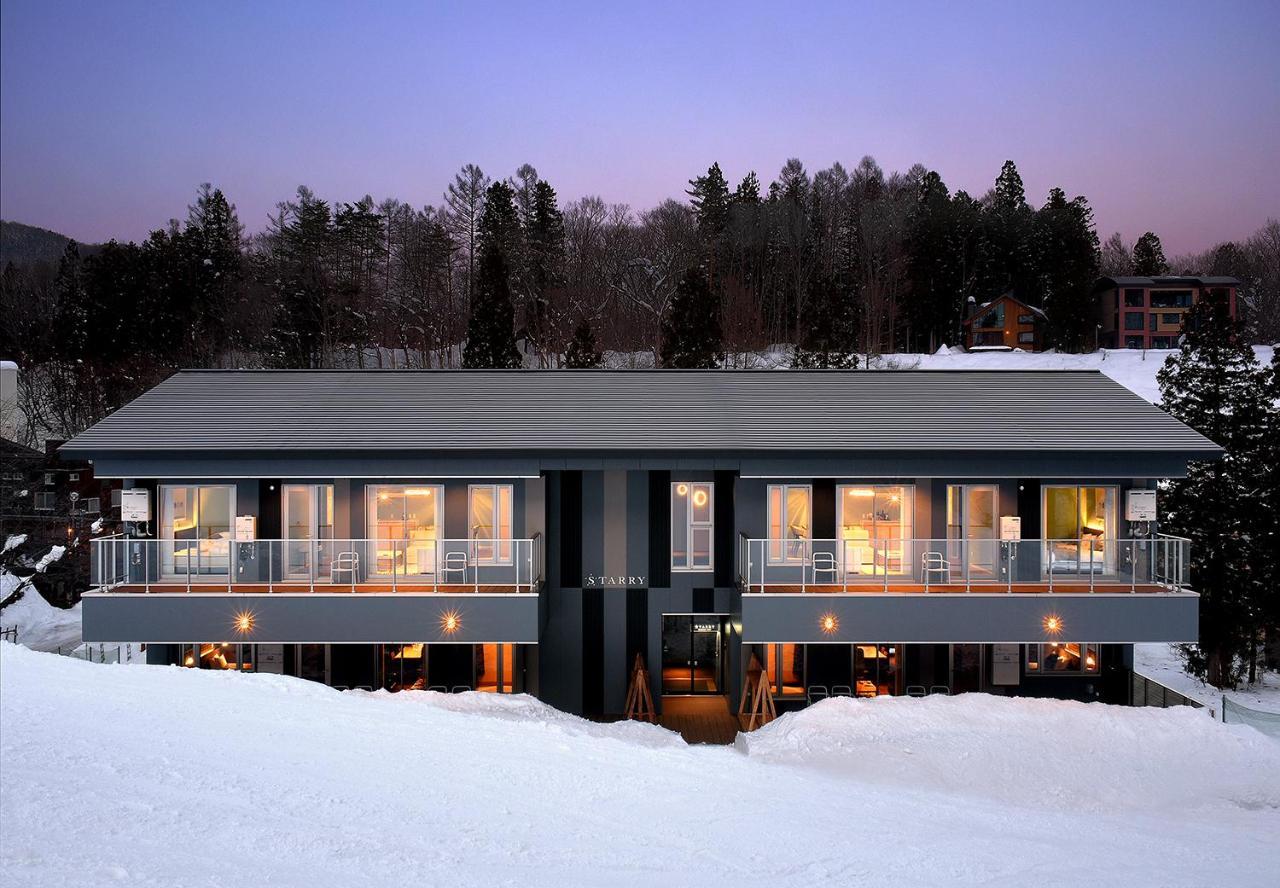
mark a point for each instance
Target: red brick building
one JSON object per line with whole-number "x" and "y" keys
{"x": 1146, "y": 312}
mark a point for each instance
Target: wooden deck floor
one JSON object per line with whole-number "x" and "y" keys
{"x": 959, "y": 588}
{"x": 700, "y": 719}
{"x": 325, "y": 588}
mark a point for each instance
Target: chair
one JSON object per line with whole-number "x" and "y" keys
{"x": 461, "y": 689}
{"x": 915, "y": 691}
{"x": 454, "y": 562}
{"x": 934, "y": 563}
{"x": 816, "y": 693}
{"x": 345, "y": 562}
{"x": 823, "y": 562}
{"x": 940, "y": 689}
{"x": 439, "y": 689}
{"x": 841, "y": 691}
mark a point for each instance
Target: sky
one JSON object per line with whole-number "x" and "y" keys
{"x": 1166, "y": 116}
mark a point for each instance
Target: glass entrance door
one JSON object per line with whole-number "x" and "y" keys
{"x": 308, "y": 522}
{"x": 404, "y": 523}
{"x": 693, "y": 653}
{"x": 971, "y": 531}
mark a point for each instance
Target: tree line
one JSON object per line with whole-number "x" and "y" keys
{"x": 834, "y": 264}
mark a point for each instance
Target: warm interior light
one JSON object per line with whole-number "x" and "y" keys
{"x": 859, "y": 491}
{"x": 190, "y": 661}
{"x": 682, "y": 489}
{"x": 1090, "y": 662}
{"x": 699, "y": 497}
{"x": 419, "y": 491}
{"x": 450, "y": 622}
{"x": 829, "y": 623}
{"x": 1052, "y": 624}
{"x": 244, "y": 622}
{"x": 384, "y": 496}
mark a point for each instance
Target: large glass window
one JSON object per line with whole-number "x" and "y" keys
{"x": 1134, "y": 320}
{"x": 1170, "y": 298}
{"x": 875, "y": 524}
{"x": 692, "y": 525}
{"x": 1062, "y": 658}
{"x": 195, "y": 527}
{"x": 1134, "y": 298}
{"x": 790, "y": 522}
{"x": 490, "y": 509}
{"x": 307, "y": 513}
{"x": 785, "y": 664}
{"x": 404, "y": 527}
{"x": 971, "y": 530}
{"x": 1079, "y": 529}
{"x": 992, "y": 318}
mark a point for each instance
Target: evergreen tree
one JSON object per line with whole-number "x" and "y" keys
{"x": 1214, "y": 385}
{"x": 1068, "y": 267}
{"x": 830, "y": 329}
{"x": 691, "y": 337}
{"x": 1010, "y": 259}
{"x": 491, "y": 340}
{"x": 583, "y": 353}
{"x": 709, "y": 197}
{"x": 544, "y": 265}
{"x": 748, "y": 190}
{"x": 1148, "y": 256}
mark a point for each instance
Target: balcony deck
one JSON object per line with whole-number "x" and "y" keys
{"x": 1073, "y": 588}
{"x": 384, "y": 588}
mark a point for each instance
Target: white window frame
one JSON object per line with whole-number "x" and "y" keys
{"x": 785, "y": 556}
{"x": 908, "y": 509}
{"x": 371, "y": 528}
{"x": 1110, "y": 532}
{"x": 690, "y": 525}
{"x": 497, "y": 554}
{"x": 314, "y": 543}
{"x": 217, "y": 555}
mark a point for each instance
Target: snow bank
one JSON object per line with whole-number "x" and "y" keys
{"x": 1082, "y": 756}
{"x": 156, "y": 776}
{"x": 41, "y": 626}
{"x": 1163, "y": 664}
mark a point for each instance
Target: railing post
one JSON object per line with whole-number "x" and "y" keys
{"x": 1048, "y": 549}
{"x": 232, "y": 557}
{"x": 886, "y": 565}
{"x": 393, "y": 564}
{"x": 965, "y": 547}
{"x": 270, "y": 569}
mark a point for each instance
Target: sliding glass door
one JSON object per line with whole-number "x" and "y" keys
{"x": 1079, "y": 529}
{"x": 307, "y": 515}
{"x": 876, "y": 527}
{"x": 404, "y": 528}
{"x": 972, "y": 546}
{"x": 195, "y": 529}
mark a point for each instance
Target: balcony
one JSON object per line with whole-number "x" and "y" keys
{"x": 314, "y": 591}
{"x": 967, "y": 590}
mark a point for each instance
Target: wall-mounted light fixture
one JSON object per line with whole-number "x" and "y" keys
{"x": 243, "y": 622}
{"x": 1052, "y": 624}
{"x": 450, "y": 622}
{"x": 829, "y": 623}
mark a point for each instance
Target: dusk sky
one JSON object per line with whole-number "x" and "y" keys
{"x": 1165, "y": 115}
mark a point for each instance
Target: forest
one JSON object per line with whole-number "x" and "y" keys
{"x": 833, "y": 264}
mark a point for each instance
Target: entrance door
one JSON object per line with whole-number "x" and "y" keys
{"x": 308, "y": 530}
{"x": 971, "y": 532}
{"x": 693, "y": 653}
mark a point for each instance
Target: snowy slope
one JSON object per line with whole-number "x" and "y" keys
{"x": 203, "y": 778}
{"x": 41, "y": 626}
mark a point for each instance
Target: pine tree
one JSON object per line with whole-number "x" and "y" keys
{"x": 830, "y": 329}
{"x": 748, "y": 190}
{"x": 691, "y": 337}
{"x": 709, "y": 197}
{"x": 544, "y": 265}
{"x": 1068, "y": 268}
{"x": 491, "y": 340}
{"x": 1148, "y": 257}
{"x": 583, "y": 353}
{"x": 1214, "y": 385}
{"x": 1011, "y": 258}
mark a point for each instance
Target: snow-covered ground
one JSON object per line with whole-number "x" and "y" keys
{"x": 161, "y": 776}
{"x": 1160, "y": 662}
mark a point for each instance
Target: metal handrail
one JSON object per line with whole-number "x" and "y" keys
{"x": 435, "y": 564}
{"x": 984, "y": 563}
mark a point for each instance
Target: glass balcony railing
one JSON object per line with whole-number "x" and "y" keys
{"x": 1087, "y": 564}
{"x": 121, "y": 563}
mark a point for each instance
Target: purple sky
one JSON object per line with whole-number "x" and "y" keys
{"x": 1165, "y": 115}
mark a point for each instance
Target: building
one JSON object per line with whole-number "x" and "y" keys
{"x": 898, "y": 532}
{"x": 1005, "y": 322}
{"x": 1146, "y": 312}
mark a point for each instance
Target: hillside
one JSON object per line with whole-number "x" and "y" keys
{"x": 26, "y": 243}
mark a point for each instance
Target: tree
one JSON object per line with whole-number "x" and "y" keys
{"x": 691, "y": 337}
{"x": 1116, "y": 259}
{"x": 1068, "y": 268}
{"x": 1011, "y": 259}
{"x": 465, "y": 200}
{"x": 709, "y": 197}
{"x": 491, "y": 341}
{"x": 582, "y": 353}
{"x": 830, "y": 329}
{"x": 1213, "y": 384}
{"x": 1148, "y": 256}
{"x": 544, "y": 266}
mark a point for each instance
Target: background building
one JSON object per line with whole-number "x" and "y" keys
{"x": 1146, "y": 312}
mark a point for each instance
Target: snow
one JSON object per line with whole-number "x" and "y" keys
{"x": 41, "y": 626}
{"x": 1162, "y": 663}
{"x": 213, "y": 778}
{"x": 14, "y": 540}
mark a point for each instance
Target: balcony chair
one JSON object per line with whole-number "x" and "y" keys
{"x": 439, "y": 689}
{"x": 934, "y": 563}
{"x": 940, "y": 689}
{"x": 816, "y": 693}
{"x": 823, "y": 562}
{"x": 345, "y": 562}
{"x": 841, "y": 691}
{"x": 454, "y": 562}
{"x": 461, "y": 689}
{"x": 916, "y": 691}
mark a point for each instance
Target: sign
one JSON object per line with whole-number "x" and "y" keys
{"x": 1004, "y": 664}
{"x": 1140, "y": 505}
{"x": 246, "y": 528}
{"x": 1010, "y": 528}
{"x": 135, "y": 505}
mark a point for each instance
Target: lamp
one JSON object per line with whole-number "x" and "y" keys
{"x": 243, "y": 622}
{"x": 1052, "y": 624}
{"x": 829, "y": 623}
{"x": 699, "y": 497}
{"x": 450, "y": 622}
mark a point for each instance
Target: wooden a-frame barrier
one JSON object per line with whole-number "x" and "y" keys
{"x": 639, "y": 698}
{"x": 757, "y": 696}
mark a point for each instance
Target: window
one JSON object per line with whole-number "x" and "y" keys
{"x": 1171, "y": 319}
{"x": 48, "y": 478}
{"x": 1134, "y": 299}
{"x": 489, "y": 522}
{"x": 989, "y": 338}
{"x": 1027, "y": 337}
{"x": 1133, "y": 342}
{"x": 1162, "y": 342}
{"x": 875, "y": 526}
{"x": 692, "y": 525}
{"x": 74, "y": 476}
{"x": 1171, "y": 299}
{"x": 404, "y": 527}
{"x": 1026, "y": 319}
{"x": 785, "y": 664}
{"x": 991, "y": 318}
{"x": 1133, "y": 320}
{"x": 195, "y": 528}
{"x": 44, "y": 501}
{"x": 1079, "y": 529}
{"x": 972, "y": 524}
{"x": 1063, "y": 658}
{"x": 790, "y": 522}
{"x": 307, "y": 513}
{"x": 91, "y": 505}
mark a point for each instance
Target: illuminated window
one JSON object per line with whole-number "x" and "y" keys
{"x": 785, "y": 664}
{"x": 875, "y": 525}
{"x": 404, "y": 528}
{"x": 195, "y": 527}
{"x": 692, "y": 525}
{"x": 493, "y": 667}
{"x": 790, "y": 522}
{"x": 1063, "y": 658}
{"x": 490, "y": 522}
{"x": 1079, "y": 529}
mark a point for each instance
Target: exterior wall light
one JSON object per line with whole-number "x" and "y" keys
{"x": 682, "y": 489}
{"x": 450, "y": 622}
{"x": 829, "y": 623}
{"x": 243, "y": 622}
{"x": 699, "y": 497}
{"x": 1052, "y": 624}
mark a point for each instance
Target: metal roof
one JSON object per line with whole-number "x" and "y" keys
{"x": 1108, "y": 283}
{"x": 225, "y": 411}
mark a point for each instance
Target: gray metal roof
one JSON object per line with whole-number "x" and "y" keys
{"x": 1108, "y": 283}
{"x": 636, "y": 410}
